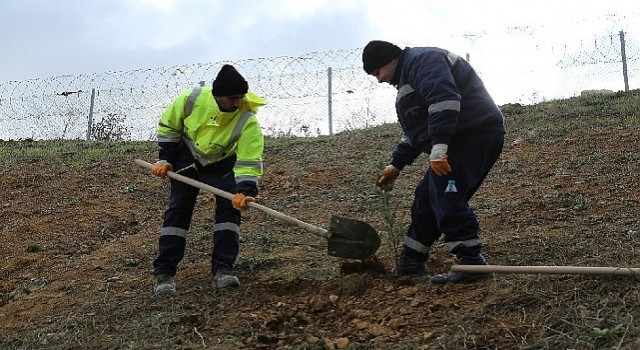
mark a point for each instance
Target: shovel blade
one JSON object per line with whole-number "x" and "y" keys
{"x": 352, "y": 239}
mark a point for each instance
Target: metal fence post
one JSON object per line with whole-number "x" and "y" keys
{"x": 624, "y": 61}
{"x": 330, "y": 102}
{"x": 93, "y": 97}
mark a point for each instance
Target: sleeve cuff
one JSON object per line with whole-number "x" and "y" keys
{"x": 397, "y": 164}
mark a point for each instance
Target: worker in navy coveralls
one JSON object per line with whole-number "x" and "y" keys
{"x": 444, "y": 110}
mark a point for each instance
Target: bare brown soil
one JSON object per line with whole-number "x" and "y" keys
{"x": 79, "y": 235}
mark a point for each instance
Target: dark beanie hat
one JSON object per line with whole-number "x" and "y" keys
{"x": 229, "y": 82}
{"x": 377, "y": 53}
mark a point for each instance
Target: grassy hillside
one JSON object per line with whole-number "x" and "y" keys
{"x": 80, "y": 223}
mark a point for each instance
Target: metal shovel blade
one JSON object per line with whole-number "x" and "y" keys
{"x": 352, "y": 239}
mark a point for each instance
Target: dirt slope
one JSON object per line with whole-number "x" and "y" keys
{"x": 80, "y": 224}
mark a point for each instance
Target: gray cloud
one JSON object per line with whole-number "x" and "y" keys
{"x": 66, "y": 37}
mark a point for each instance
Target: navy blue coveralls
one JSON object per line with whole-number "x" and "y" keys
{"x": 441, "y": 99}
{"x": 182, "y": 200}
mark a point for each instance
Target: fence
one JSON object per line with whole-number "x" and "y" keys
{"x": 315, "y": 94}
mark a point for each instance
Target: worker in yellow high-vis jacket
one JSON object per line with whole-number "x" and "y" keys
{"x": 210, "y": 134}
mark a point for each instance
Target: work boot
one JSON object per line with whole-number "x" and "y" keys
{"x": 409, "y": 266}
{"x": 164, "y": 285}
{"x": 462, "y": 277}
{"x": 224, "y": 278}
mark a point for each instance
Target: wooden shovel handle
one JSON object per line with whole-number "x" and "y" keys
{"x": 579, "y": 270}
{"x": 318, "y": 231}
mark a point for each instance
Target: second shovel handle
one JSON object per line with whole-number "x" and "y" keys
{"x": 579, "y": 270}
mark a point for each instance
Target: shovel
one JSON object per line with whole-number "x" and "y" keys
{"x": 347, "y": 238}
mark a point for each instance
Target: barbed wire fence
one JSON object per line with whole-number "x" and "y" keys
{"x": 315, "y": 94}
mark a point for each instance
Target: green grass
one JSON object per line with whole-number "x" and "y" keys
{"x": 74, "y": 154}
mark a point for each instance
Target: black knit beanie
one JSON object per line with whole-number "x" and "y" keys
{"x": 229, "y": 82}
{"x": 377, "y": 53}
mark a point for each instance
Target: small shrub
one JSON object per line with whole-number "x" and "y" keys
{"x": 110, "y": 128}
{"x": 392, "y": 235}
{"x": 34, "y": 248}
{"x": 131, "y": 262}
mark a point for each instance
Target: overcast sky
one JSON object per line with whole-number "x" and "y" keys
{"x": 42, "y": 38}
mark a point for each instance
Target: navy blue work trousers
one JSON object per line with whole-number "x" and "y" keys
{"x": 177, "y": 220}
{"x": 436, "y": 213}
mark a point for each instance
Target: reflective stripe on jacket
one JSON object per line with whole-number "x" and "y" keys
{"x": 212, "y": 135}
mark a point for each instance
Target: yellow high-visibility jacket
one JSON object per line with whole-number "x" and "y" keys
{"x": 212, "y": 135}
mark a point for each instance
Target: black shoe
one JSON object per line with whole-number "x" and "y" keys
{"x": 408, "y": 267}
{"x": 462, "y": 277}
{"x": 225, "y": 278}
{"x": 164, "y": 285}
{"x": 458, "y": 277}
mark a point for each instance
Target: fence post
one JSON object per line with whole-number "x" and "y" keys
{"x": 624, "y": 62}
{"x": 93, "y": 97}
{"x": 330, "y": 101}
